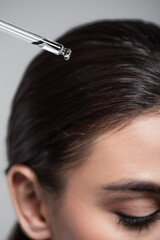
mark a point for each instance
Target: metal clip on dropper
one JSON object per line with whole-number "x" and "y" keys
{"x": 36, "y": 40}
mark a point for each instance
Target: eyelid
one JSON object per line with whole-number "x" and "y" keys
{"x": 138, "y": 223}
{"x": 134, "y": 216}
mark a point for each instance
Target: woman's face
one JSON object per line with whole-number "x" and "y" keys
{"x": 121, "y": 177}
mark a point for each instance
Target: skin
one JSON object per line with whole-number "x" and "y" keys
{"x": 87, "y": 210}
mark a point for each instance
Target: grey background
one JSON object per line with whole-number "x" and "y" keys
{"x": 49, "y": 18}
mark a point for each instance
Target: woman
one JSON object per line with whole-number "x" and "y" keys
{"x": 83, "y": 137}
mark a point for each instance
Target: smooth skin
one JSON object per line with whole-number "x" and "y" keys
{"x": 88, "y": 207}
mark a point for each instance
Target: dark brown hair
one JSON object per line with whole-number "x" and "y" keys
{"x": 60, "y": 107}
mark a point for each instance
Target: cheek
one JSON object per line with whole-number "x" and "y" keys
{"x": 81, "y": 222}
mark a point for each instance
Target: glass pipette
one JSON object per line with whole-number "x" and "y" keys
{"x": 36, "y": 40}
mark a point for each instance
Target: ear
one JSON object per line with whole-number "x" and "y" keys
{"x": 28, "y": 202}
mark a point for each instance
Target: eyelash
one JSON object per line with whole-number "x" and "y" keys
{"x": 137, "y": 223}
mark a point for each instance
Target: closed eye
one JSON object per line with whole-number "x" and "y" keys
{"x": 137, "y": 223}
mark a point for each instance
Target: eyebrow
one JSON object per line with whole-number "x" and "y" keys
{"x": 133, "y": 185}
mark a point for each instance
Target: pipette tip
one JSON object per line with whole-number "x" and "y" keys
{"x": 66, "y": 53}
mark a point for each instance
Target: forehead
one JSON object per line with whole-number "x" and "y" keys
{"x": 133, "y": 152}
{"x": 143, "y": 131}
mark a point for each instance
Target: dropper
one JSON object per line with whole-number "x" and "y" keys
{"x": 48, "y": 45}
